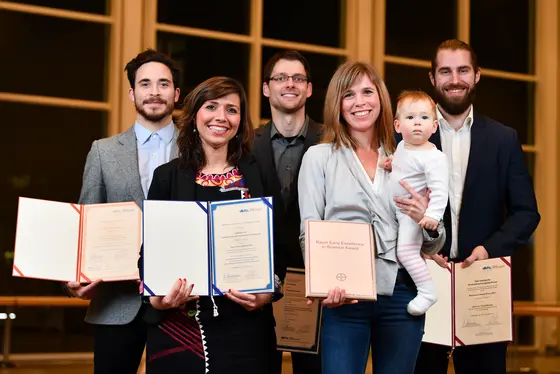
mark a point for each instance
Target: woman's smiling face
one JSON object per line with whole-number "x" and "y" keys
{"x": 217, "y": 121}
{"x": 360, "y": 105}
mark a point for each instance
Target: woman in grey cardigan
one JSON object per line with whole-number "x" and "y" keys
{"x": 340, "y": 180}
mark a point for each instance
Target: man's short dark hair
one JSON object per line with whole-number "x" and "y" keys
{"x": 454, "y": 45}
{"x": 290, "y": 55}
{"x": 150, "y": 55}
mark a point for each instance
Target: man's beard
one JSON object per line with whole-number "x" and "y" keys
{"x": 154, "y": 117}
{"x": 455, "y": 107}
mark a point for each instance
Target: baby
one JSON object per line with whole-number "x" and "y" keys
{"x": 419, "y": 163}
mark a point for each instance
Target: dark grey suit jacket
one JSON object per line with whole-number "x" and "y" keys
{"x": 263, "y": 152}
{"x": 111, "y": 175}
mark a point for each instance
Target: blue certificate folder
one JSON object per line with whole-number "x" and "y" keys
{"x": 217, "y": 246}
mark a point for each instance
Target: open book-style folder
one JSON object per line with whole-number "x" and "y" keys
{"x": 77, "y": 242}
{"x": 217, "y": 246}
{"x": 474, "y": 304}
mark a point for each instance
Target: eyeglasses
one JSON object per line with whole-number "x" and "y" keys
{"x": 297, "y": 78}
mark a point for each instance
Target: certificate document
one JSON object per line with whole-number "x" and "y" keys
{"x": 298, "y": 325}
{"x": 439, "y": 324}
{"x": 72, "y": 242}
{"x": 340, "y": 254}
{"x": 477, "y": 308}
{"x": 241, "y": 245}
{"x": 217, "y": 246}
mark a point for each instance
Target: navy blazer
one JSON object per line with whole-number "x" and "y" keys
{"x": 499, "y": 208}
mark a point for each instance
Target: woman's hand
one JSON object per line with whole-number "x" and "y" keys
{"x": 179, "y": 295}
{"x": 416, "y": 206}
{"x": 335, "y": 298}
{"x": 249, "y": 301}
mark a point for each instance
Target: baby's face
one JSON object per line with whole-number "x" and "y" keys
{"x": 416, "y": 121}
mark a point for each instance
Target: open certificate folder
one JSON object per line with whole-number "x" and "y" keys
{"x": 72, "y": 242}
{"x": 217, "y": 246}
{"x": 474, "y": 304}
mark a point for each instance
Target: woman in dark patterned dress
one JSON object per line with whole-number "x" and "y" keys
{"x": 227, "y": 334}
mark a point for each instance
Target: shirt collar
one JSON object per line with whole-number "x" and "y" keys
{"x": 143, "y": 134}
{"x": 446, "y": 126}
{"x": 274, "y": 131}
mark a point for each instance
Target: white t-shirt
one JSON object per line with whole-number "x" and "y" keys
{"x": 422, "y": 169}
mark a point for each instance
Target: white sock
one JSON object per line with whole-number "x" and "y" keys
{"x": 427, "y": 296}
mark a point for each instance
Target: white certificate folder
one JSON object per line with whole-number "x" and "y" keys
{"x": 474, "y": 303}
{"x": 75, "y": 242}
{"x": 217, "y": 246}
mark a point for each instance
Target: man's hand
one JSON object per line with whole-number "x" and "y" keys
{"x": 249, "y": 301}
{"x": 415, "y": 207}
{"x": 428, "y": 223}
{"x": 83, "y": 292}
{"x": 479, "y": 253}
{"x": 439, "y": 259}
{"x": 179, "y": 295}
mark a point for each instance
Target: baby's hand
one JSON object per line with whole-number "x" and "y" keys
{"x": 428, "y": 223}
{"x": 385, "y": 163}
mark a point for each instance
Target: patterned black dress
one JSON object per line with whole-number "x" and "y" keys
{"x": 194, "y": 341}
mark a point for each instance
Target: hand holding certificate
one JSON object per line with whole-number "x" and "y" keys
{"x": 474, "y": 303}
{"x": 249, "y": 301}
{"x": 179, "y": 294}
{"x": 339, "y": 261}
{"x": 217, "y": 246}
{"x": 80, "y": 243}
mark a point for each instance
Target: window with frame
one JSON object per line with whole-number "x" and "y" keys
{"x": 207, "y": 46}
{"x": 56, "y": 102}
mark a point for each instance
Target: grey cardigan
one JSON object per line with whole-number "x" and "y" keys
{"x": 334, "y": 186}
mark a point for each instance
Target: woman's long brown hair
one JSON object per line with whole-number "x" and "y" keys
{"x": 191, "y": 153}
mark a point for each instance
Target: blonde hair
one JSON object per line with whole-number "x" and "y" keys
{"x": 414, "y": 96}
{"x": 335, "y": 128}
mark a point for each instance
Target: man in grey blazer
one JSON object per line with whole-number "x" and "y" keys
{"x": 120, "y": 169}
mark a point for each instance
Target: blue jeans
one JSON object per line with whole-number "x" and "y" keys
{"x": 394, "y": 335}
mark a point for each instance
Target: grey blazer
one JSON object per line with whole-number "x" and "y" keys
{"x": 334, "y": 186}
{"x": 111, "y": 175}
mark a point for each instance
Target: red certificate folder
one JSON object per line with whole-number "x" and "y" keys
{"x": 72, "y": 242}
{"x": 474, "y": 304}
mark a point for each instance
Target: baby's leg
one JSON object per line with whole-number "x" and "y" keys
{"x": 408, "y": 252}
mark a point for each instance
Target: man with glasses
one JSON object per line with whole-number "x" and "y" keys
{"x": 279, "y": 148}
